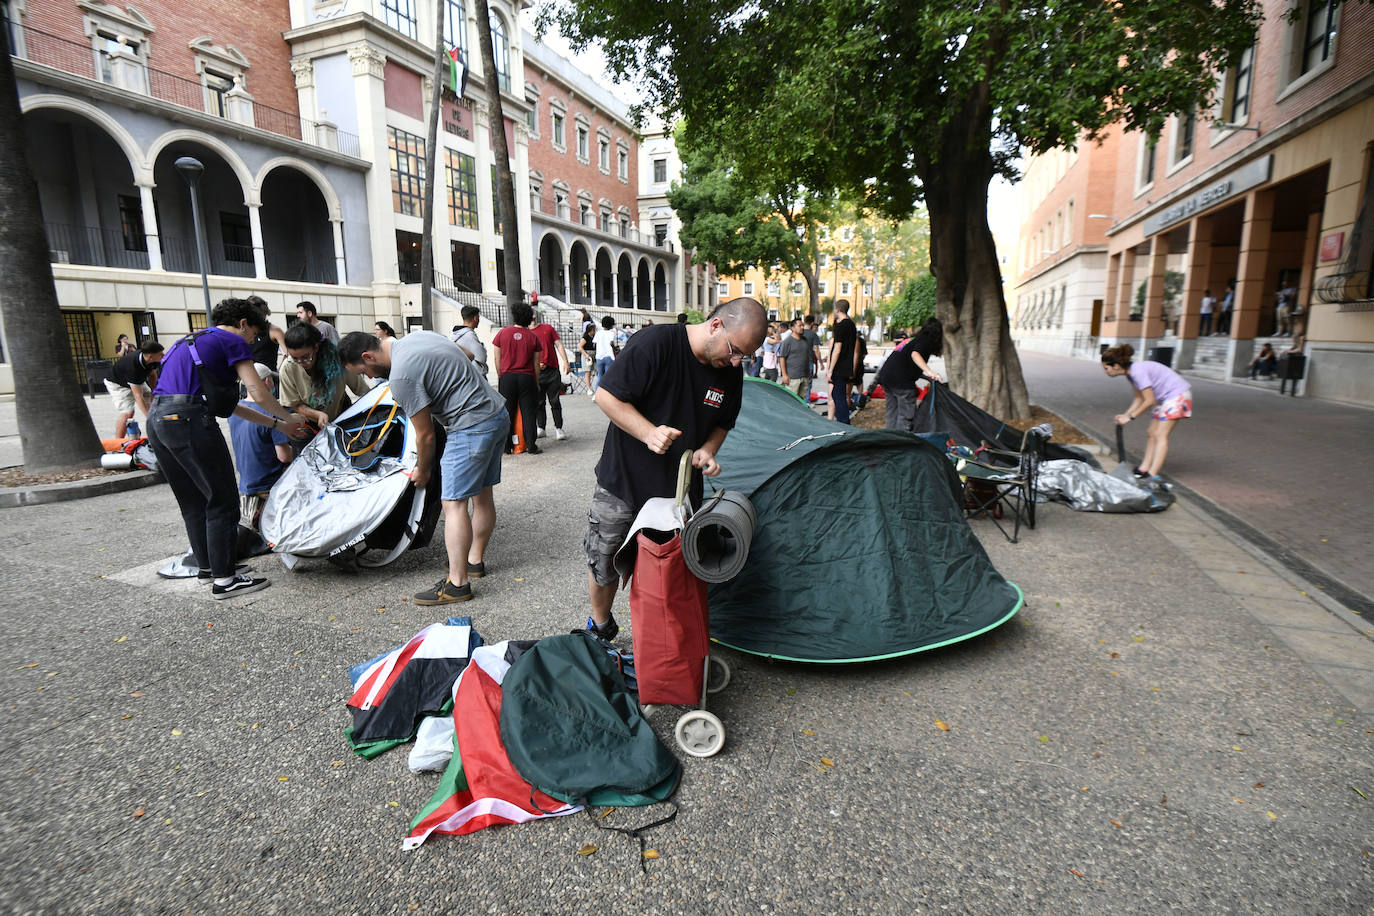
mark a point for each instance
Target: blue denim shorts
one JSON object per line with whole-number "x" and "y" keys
{"x": 472, "y": 457}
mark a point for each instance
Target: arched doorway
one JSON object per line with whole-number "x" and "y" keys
{"x": 92, "y": 210}
{"x": 642, "y": 286}
{"x": 660, "y": 289}
{"x": 297, "y": 236}
{"x": 580, "y": 265}
{"x": 604, "y": 280}
{"x": 228, "y": 231}
{"x": 625, "y": 279}
{"x": 551, "y": 279}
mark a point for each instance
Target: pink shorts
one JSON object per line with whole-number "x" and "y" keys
{"x": 1179, "y": 407}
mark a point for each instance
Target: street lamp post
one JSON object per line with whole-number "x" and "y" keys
{"x": 191, "y": 170}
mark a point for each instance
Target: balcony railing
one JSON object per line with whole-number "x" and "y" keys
{"x": 563, "y": 210}
{"x": 97, "y": 247}
{"x": 81, "y": 60}
{"x": 1352, "y": 290}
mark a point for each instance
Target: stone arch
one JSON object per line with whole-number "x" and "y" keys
{"x": 331, "y": 197}
{"x": 143, "y": 172}
{"x": 660, "y": 287}
{"x": 550, "y": 265}
{"x": 224, "y": 150}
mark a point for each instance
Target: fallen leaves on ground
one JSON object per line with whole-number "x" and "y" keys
{"x": 587, "y": 850}
{"x": 651, "y": 853}
{"x": 940, "y": 724}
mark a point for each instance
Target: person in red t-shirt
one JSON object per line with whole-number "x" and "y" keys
{"x": 551, "y": 379}
{"x": 518, "y": 363}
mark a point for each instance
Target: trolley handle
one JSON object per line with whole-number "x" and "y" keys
{"x": 684, "y": 479}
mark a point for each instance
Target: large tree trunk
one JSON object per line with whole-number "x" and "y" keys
{"x": 979, "y": 355}
{"x": 432, "y": 170}
{"x": 505, "y": 183}
{"x": 55, "y": 428}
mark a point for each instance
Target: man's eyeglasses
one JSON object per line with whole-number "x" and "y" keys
{"x": 734, "y": 353}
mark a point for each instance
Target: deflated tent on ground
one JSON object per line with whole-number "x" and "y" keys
{"x": 350, "y": 488}
{"x": 860, "y": 551}
{"x": 943, "y": 411}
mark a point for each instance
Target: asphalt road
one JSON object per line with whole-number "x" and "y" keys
{"x": 1162, "y": 727}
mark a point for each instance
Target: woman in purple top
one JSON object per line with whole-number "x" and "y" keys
{"x": 1155, "y": 384}
{"x": 184, "y": 432}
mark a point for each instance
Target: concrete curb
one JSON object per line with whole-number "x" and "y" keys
{"x": 1346, "y": 603}
{"x": 15, "y": 497}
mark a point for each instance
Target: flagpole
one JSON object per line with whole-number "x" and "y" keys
{"x": 431, "y": 170}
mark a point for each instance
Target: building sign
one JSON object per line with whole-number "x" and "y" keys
{"x": 1242, "y": 179}
{"x": 1332, "y": 245}
{"x": 457, "y": 118}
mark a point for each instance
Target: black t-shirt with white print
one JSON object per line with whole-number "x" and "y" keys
{"x": 659, "y": 375}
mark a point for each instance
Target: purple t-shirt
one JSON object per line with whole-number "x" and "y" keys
{"x": 218, "y": 350}
{"x": 1147, "y": 374}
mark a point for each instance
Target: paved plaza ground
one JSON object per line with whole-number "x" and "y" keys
{"x": 1169, "y": 723}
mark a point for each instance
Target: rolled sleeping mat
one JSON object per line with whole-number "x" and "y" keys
{"x": 715, "y": 542}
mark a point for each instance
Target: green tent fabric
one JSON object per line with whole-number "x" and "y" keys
{"x": 861, "y": 550}
{"x": 573, "y": 729}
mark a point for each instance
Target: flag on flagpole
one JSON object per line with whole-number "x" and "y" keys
{"x": 457, "y": 72}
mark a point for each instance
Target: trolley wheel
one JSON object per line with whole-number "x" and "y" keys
{"x": 700, "y": 733}
{"x": 717, "y": 674}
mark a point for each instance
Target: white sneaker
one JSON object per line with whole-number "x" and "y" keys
{"x": 559, "y": 435}
{"x": 539, "y": 433}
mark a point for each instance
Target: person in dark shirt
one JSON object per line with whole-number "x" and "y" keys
{"x": 674, "y": 388}
{"x": 129, "y": 380}
{"x": 903, "y": 368}
{"x": 518, "y": 362}
{"x": 267, "y": 348}
{"x": 843, "y": 357}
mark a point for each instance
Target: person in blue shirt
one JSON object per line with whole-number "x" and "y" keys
{"x": 261, "y": 453}
{"x": 184, "y": 433}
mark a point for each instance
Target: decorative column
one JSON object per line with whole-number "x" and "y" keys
{"x": 369, "y": 67}
{"x": 238, "y": 104}
{"x": 340, "y": 270}
{"x": 615, "y": 289}
{"x": 568, "y": 288}
{"x": 255, "y": 229}
{"x": 1152, "y": 320}
{"x": 1251, "y": 294}
{"x": 303, "y": 69}
{"x": 150, "y": 230}
{"x": 1124, "y": 283}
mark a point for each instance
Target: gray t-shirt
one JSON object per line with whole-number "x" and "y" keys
{"x": 472, "y": 345}
{"x": 428, "y": 371}
{"x": 795, "y": 353}
{"x": 328, "y": 331}
{"x": 814, "y": 340}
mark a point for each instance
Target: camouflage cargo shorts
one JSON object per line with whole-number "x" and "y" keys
{"x": 608, "y": 521}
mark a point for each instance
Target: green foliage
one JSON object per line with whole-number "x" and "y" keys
{"x": 914, "y": 304}
{"x": 1173, "y": 289}
{"x": 694, "y": 316}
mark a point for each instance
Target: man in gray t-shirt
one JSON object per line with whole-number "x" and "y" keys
{"x": 433, "y": 382}
{"x": 794, "y": 360}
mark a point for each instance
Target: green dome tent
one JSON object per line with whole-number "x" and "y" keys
{"x": 860, "y": 551}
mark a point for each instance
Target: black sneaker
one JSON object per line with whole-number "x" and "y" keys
{"x": 533, "y": 449}
{"x": 1140, "y": 473}
{"x": 205, "y": 577}
{"x": 444, "y": 592}
{"x": 477, "y": 570}
{"x": 242, "y": 585}
{"x": 606, "y": 631}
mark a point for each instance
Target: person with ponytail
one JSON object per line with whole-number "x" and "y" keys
{"x": 1157, "y": 388}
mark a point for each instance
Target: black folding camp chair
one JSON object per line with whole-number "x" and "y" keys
{"x": 1004, "y": 483}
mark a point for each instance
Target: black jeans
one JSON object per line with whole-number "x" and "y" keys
{"x": 194, "y": 459}
{"x": 520, "y": 391}
{"x": 550, "y": 389}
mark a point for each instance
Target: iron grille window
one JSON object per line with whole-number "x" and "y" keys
{"x": 400, "y": 15}
{"x": 407, "y": 171}
{"x": 462, "y": 189}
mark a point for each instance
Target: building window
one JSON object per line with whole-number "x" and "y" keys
{"x": 1235, "y": 98}
{"x": 456, "y": 27}
{"x": 603, "y": 155}
{"x": 107, "y": 44}
{"x": 606, "y": 221}
{"x": 400, "y": 15}
{"x": 217, "y": 87}
{"x": 868, "y": 289}
{"x": 560, "y": 141}
{"x": 584, "y": 213}
{"x": 824, "y": 234}
{"x": 560, "y": 205}
{"x": 748, "y": 287}
{"x": 845, "y": 287}
{"x": 1184, "y": 129}
{"x": 722, "y": 289}
{"x": 460, "y": 170}
{"x": 774, "y": 288}
{"x": 660, "y": 234}
{"x": 583, "y": 153}
{"x": 660, "y": 171}
{"x": 532, "y": 119}
{"x": 797, "y": 287}
{"x": 407, "y": 171}
{"x": 823, "y": 287}
{"x": 501, "y": 51}
{"x": 849, "y": 262}
{"x": 823, "y": 260}
{"x": 624, "y": 227}
{"x": 131, "y": 223}
{"x": 1323, "y": 18}
{"x": 847, "y": 234}
{"x": 1147, "y": 165}
{"x": 236, "y": 236}
{"x": 623, "y": 163}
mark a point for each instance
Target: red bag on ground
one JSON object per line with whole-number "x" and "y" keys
{"x": 668, "y": 614}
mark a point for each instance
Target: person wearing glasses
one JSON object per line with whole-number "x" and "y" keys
{"x": 675, "y": 388}
{"x": 313, "y": 379}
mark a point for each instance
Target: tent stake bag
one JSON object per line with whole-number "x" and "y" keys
{"x": 668, "y": 614}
